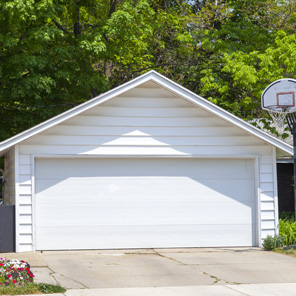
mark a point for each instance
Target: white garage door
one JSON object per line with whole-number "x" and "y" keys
{"x": 144, "y": 203}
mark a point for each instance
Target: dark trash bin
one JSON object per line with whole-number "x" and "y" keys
{"x": 7, "y": 228}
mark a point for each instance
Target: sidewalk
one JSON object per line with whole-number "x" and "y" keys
{"x": 213, "y": 290}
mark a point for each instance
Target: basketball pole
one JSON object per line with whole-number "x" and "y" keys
{"x": 291, "y": 120}
{"x": 294, "y": 159}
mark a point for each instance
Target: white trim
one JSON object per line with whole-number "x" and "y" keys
{"x": 243, "y": 156}
{"x": 164, "y": 82}
{"x": 258, "y": 201}
{"x": 17, "y": 202}
{"x": 255, "y": 158}
{"x": 33, "y": 203}
{"x": 275, "y": 190}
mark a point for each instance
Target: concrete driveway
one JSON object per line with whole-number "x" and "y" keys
{"x": 160, "y": 267}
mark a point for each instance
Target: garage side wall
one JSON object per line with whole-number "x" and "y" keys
{"x": 146, "y": 121}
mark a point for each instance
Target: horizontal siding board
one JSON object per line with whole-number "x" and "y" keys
{"x": 140, "y": 121}
{"x": 25, "y": 179}
{"x": 25, "y": 239}
{"x": 267, "y": 196}
{"x": 267, "y": 215}
{"x": 63, "y": 129}
{"x": 268, "y": 224}
{"x": 25, "y": 219}
{"x": 25, "y": 189}
{"x": 147, "y": 102}
{"x": 143, "y": 141}
{"x": 266, "y": 232}
{"x": 267, "y": 205}
{"x": 25, "y": 209}
{"x": 25, "y": 228}
{"x": 25, "y": 199}
{"x": 25, "y": 159}
{"x": 266, "y": 186}
{"x": 24, "y": 169}
{"x": 142, "y": 92}
{"x": 153, "y": 150}
{"x": 266, "y": 178}
{"x": 266, "y": 168}
{"x": 145, "y": 112}
{"x": 266, "y": 159}
{"x": 26, "y": 248}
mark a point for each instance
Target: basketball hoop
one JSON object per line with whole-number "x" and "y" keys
{"x": 279, "y": 118}
{"x": 279, "y": 100}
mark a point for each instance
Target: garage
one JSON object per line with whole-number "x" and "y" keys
{"x": 109, "y": 203}
{"x": 148, "y": 164}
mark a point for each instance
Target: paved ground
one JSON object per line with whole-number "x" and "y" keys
{"x": 215, "y": 271}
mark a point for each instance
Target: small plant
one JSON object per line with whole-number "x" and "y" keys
{"x": 50, "y": 289}
{"x": 272, "y": 242}
{"x": 288, "y": 229}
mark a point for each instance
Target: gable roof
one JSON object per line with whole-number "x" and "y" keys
{"x": 163, "y": 82}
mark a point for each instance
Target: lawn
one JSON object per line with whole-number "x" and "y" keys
{"x": 290, "y": 252}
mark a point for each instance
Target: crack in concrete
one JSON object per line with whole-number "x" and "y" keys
{"x": 84, "y": 286}
{"x": 217, "y": 280}
{"x": 52, "y": 274}
{"x": 170, "y": 258}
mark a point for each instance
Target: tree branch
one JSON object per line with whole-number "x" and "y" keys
{"x": 59, "y": 26}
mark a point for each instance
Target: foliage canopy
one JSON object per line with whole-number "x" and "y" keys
{"x": 55, "y": 54}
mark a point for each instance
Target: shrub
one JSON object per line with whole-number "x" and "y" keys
{"x": 288, "y": 229}
{"x": 50, "y": 289}
{"x": 272, "y": 242}
{"x": 287, "y": 216}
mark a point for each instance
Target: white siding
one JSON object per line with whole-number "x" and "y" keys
{"x": 9, "y": 168}
{"x": 146, "y": 122}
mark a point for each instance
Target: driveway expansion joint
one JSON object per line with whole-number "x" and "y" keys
{"x": 227, "y": 286}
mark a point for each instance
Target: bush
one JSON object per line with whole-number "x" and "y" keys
{"x": 50, "y": 289}
{"x": 272, "y": 242}
{"x": 287, "y": 228}
{"x": 287, "y": 216}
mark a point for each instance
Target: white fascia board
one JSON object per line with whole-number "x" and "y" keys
{"x": 5, "y": 145}
{"x": 162, "y": 81}
{"x": 221, "y": 113}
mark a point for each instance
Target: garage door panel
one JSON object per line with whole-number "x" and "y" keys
{"x": 104, "y": 203}
{"x": 48, "y": 238}
{"x": 117, "y": 189}
{"x": 145, "y": 214}
{"x": 124, "y": 167}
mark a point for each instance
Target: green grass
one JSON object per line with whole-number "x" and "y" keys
{"x": 290, "y": 252}
{"x": 31, "y": 288}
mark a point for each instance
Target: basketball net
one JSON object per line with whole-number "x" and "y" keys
{"x": 279, "y": 119}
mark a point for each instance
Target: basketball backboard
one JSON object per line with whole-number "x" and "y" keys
{"x": 280, "y": 96}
